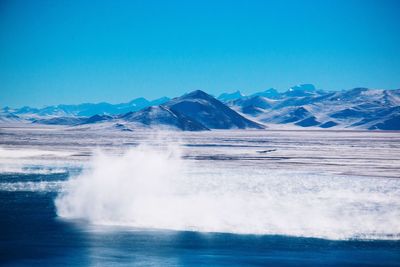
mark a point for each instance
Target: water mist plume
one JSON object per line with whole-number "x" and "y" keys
{"x": 152, "y": 188}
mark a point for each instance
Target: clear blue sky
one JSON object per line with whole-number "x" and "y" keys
{"x": 77, "y": 51}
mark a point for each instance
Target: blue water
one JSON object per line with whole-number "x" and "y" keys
{"x": 31, "y": 234}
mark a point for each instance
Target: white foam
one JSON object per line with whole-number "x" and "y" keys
{"x": 42, "y": 186}
{"x": 21, "y": 169}
{"x": 149, "y": 188}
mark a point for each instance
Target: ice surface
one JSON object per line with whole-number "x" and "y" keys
{"x": 329, "y": 184}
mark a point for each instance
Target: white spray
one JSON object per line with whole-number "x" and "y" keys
{"x": 152, "y": 188}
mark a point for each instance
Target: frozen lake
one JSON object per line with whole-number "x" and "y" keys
{"x": 199, "y": 198}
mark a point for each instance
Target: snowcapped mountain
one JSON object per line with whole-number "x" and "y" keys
{"x": 269, "y": 93}
{"x": 230, "y": 96}
{"x": 210, "y": 112}
{"x": 300, "y": 106}
{"x": 305, "y": 106}
{"x": 86, "y": 109}
{"x": 252, "y": 105}
{"x": 195, "y": 111}
{"x": 163, "y": 116}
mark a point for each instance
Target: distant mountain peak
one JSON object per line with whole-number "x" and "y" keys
{"x": 302, "y": 90}
{"x": 307, "y": 87}
{"x": 197, "y": 94}
{"x": 230, "y": 96}
{"x": 271, "y": 93}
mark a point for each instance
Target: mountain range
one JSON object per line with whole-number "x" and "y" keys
{"x": 299, "y": 106}
{"x": 305, "y": 106}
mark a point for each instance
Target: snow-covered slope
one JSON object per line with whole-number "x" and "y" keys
{"x": 252, "y": 105}
{"x": 163, "y": 116}
{"x": 210, "y": 112}
{"x": 306, "y": 106}
{"x": 6, "y": 117}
